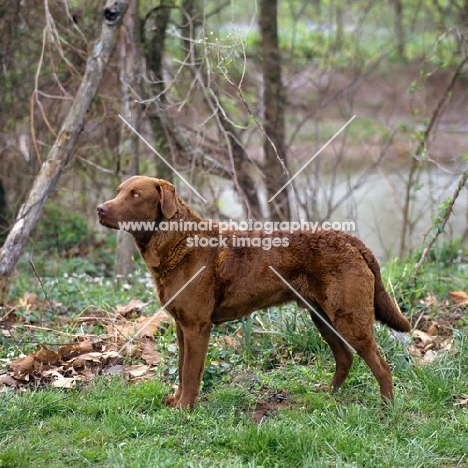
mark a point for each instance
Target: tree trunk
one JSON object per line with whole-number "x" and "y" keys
{"x": 155, "y": 49}
{"x": 339, "y": 21}
{"x": 62, "y": 151}
{"x": 3, "y": 207}
{"x": 399, "y": 30}
{"x": 274, "y": 103}
{"x": 130, "y": 85}
{"x": 243, "y": 168}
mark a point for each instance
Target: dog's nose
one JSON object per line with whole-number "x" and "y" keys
{"x": 102, "y": 209}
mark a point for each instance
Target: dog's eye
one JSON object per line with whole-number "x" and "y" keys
{"x": 135, "y": 195}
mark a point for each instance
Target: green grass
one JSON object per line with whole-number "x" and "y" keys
{"x": 113, "y": 423}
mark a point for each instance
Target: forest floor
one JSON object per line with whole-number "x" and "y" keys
{"x": 79, "y": 387}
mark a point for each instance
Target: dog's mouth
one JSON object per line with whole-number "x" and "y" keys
{"x": 104, "y": 219}
{"x": 107, "y": 224}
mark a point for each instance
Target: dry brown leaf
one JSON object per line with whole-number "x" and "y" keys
{"x": 230, "y": 341}
{"x": 131, "y": 350}
{"x": 70, "y": 351}
{"x": 6, "y": 379}
{"x": 133, "y": 306}
{"x": 414, "y": 351}
{"x": 147, "y": 326}
{"x": 30, "y": 301}
{"x": 433, "y": 329}
{"x": 22, "y": 368}
{"x": 423, "y": 336}
{"x": 46, "y": 356}
{"x": 460, "y": 297}
{"x": 107, "y": 357}
{"x": 88, "y": 358}
{"x": 63, "y": 382}
{"x": 144, "y": 326}
{"x": 121, "y": 330}
{"x": 428, "y": 357}
{"x": 111, "y": 356}
{"x": 137, "y": 372}
{"x": 447, "y": 345}
{"x": 461, "y": 400}
{"x": 149, "y": 353}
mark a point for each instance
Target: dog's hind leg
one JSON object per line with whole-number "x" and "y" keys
{"x": 341, "y": 351}
{"x": 379, "y": 367}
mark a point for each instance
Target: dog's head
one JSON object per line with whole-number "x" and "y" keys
{"x": 139, "y": 200}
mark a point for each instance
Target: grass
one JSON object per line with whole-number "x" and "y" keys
{"x": 278, "y": 358}
{"x": 112, "y": 423}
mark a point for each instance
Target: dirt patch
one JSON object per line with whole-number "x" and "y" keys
{"x": 269, "y": 406}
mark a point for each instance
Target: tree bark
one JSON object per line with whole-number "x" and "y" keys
{"x": 3, "y": 206}
{"x": 274, "y": 103}
{"x": 130, "y": 87}
{"x": 155, "y": 50}
{"x": 399, "y": 29}
{"x": 62, "y": 151}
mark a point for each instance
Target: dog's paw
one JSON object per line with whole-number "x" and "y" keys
{"x": 323, "y": 388}
{"x": 170, "y": 401}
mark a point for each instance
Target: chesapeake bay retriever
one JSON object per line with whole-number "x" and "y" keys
{"x": 333, "y": 272}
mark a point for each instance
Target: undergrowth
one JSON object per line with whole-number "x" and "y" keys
{"x": 261, "y": 403}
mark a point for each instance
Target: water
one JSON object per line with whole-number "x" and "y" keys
{"x": 377, "y": 206}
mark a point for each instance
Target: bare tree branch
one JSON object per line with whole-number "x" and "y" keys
{"x": 62, "y": 151}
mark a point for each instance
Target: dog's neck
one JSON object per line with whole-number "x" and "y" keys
{"x": 159, "y": 248}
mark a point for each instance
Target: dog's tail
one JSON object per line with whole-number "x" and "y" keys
{"x": 386, "y": 311}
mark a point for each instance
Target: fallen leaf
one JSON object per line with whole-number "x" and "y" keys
{"x": 121, "y": 330}
{"x": 460, "y": 297}
{"x": 70, "y": 351}
{"x": 137, "y": 372}
{"x": 423, "y": 336}
{"x": 429, "y": 357}
{"x": 46, "y": 356}
{"x": 133, "y": 306}
{"x": 111, "y": 356}
{"x": 22, "y": 368}
{"x": 81, "y": 361}
{"x": 147, "y": 326}
{"x": 6, "y": 379}
{"x": 433, "y": 329}
{"x": 461, "y": 400}
{"x": 63, "y": 382}
{"x": 29, "y": 301}
{"x": 149, "y": 353}
{"x": 414, "y": 350}
{"x": 230, "y": 341}
{"x": 447, "y": 345}
{"x": 144, "y": 326}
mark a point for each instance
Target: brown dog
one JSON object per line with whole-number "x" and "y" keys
{"x": 334, "y": 273}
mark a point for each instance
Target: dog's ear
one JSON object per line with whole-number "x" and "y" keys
{"x": 168, "y": 199}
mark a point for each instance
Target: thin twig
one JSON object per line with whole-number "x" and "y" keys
{"x": 42, "y": 287}
{"x": 423, "y": 145}
{"x": 445, "y": 219}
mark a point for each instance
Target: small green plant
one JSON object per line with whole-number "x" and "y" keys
{"x": 58, "y": 231}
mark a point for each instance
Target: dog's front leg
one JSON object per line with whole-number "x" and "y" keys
{"x": 173, "y": 399}
{"x": 195, "y": 348}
